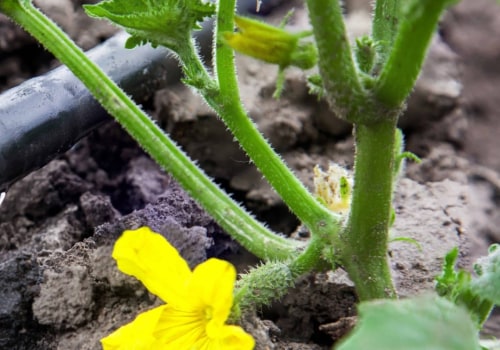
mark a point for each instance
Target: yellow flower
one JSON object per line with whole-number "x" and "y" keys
{"x": 198, "y": 301}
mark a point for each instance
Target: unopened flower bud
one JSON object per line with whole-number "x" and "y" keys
{"x": 272, "y": 44}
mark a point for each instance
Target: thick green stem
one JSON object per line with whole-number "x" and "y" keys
{"x": 418, "y": 23}
{"x": 384, "y": 27}
{"x": 272, "y": 280}
{"x": 234, "y": 219}
{"x": 364, "y": 252}
{"x": 340, "y": 79}
{"x": 318, "y": 218}
{"x": 311, "y": 259}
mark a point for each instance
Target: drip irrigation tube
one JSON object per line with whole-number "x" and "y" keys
{"x": 45, "y": 116}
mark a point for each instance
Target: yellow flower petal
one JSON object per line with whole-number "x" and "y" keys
{"x": 180, "y": 329}
{"x": 136, "y": 335}
{"x": 235, "y": 338}
{"x": 211, "y": 287}
{"x": 271, "y": 52}
{"x": 208, "y": 301}
{"x": 199, "y": 302}
{"x": 149, "y": 257}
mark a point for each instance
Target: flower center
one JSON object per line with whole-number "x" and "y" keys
{"x": 208, "y": 313}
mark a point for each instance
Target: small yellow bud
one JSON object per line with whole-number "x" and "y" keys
{"x": 271, "y": 44}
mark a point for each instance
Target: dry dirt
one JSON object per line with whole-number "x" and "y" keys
{"x": 59, "y": 285}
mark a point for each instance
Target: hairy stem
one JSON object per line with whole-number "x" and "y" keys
{"x": 418, "y": 23}
{"x": 384, "y": 27}
{"x": 318, "y": 218}
{"x": 311, "y": 259}
{"x": 234, "y": 219}
{"x": 340, "y": 80}
{"x": 364, "y": 252}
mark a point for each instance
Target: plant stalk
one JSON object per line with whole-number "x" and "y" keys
{"x": 336, "y": 65}
{"x": 311, "y": 259}
{"x": 418, "y": 23}
{"x": 233, "y": 218}
{"x": 311, "y": 212}
{"x": 364, "y": 242}
{"x": 384, "y": 27}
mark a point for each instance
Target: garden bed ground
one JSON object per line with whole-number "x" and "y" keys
{"x": 59, "y": 285}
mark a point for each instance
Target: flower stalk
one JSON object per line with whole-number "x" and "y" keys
{"x": 315, "y": 216}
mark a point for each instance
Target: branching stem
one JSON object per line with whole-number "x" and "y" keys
{"x": 314, "y": 215}
{"x": 364, "y": 241}
{"x": 233, "y": 218}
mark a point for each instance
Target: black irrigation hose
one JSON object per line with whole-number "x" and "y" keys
{"x": 45, "y": 116}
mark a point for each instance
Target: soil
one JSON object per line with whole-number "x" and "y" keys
{"x": 59, "y": 285}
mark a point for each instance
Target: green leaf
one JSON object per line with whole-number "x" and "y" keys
{"x": 451, "y": 282}
{"x": 422, "y": 323}
{"x": 159, "y": 22}
{"x": 459, "y": 287}
{"x": 487, "y": 284}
